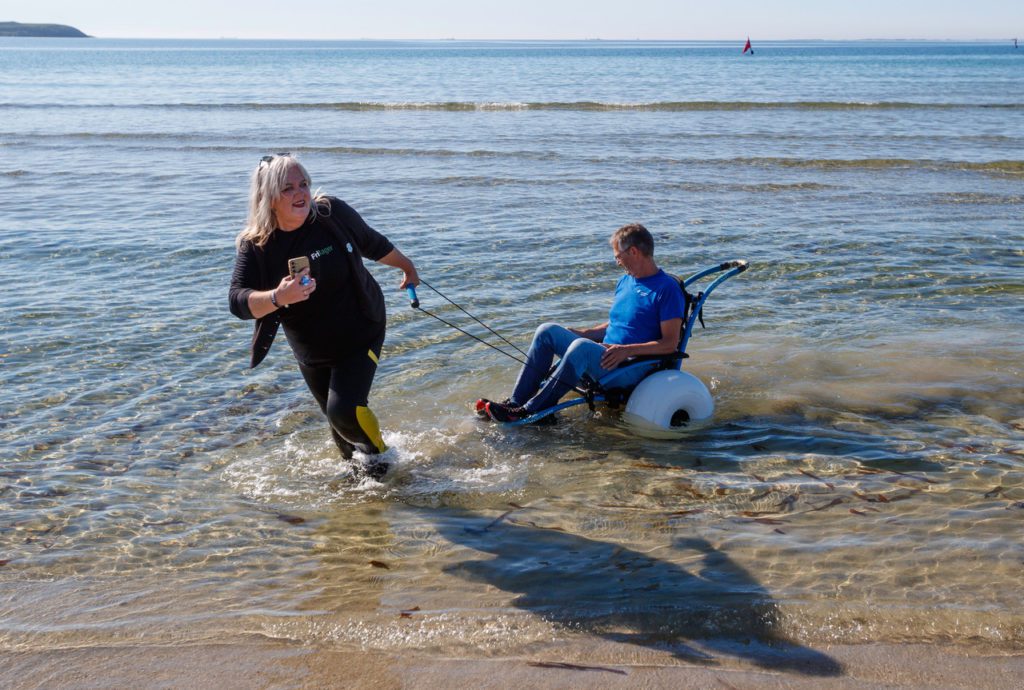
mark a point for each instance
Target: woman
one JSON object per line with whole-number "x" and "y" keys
{"x": 333, "y": 310}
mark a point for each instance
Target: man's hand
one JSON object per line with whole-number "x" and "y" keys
{"x": 614, "y": 355}
{"x": 595, "y": 333}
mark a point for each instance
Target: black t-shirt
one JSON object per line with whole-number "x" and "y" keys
{"x": 331, "y": 323}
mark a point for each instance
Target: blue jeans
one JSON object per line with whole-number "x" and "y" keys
{"x": 579, "y": 356}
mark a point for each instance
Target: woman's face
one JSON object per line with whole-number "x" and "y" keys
{"x": 292, "y": 208}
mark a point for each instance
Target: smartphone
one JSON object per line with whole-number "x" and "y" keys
{"x": 296, "y": 265}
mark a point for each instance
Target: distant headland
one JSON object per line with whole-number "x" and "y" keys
{"x": 40, "y": 30}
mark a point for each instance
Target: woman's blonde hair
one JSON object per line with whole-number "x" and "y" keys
{"x": 267, "y": 182}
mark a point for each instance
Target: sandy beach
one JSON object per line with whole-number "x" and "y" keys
{"x": 273, "y": 665}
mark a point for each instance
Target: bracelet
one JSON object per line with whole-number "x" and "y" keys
{"x": 273, "y": 299}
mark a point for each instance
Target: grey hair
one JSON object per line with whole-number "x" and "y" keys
{"x": 633, "y": 235}
{"x": 266, "y": 184}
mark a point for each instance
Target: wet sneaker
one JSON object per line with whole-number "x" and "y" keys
{"x": 374, "y": 469}
{"x": 482, "y": 403}
{"x": 357, "y": 472}
{"x": 505, "y": 412}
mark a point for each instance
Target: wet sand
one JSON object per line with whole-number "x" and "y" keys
{"x": 274, "y": 665}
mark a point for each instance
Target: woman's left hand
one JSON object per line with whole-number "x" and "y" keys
{"x": 397, "y": 259}
{"x": 411, "y": 278}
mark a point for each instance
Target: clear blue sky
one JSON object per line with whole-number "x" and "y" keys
{"x": 530, "y": 19}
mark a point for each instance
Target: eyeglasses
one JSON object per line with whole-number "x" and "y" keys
{"x": 267, "y": 159}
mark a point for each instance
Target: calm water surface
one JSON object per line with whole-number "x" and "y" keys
{"x": 863, "y": 479}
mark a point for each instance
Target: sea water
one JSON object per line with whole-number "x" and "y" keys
{"x": 862, "y": 480}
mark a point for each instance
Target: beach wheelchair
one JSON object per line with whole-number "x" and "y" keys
{"x": 667, "y": 399}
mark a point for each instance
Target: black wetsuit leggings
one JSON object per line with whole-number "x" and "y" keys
{"x": 342, "y": 391}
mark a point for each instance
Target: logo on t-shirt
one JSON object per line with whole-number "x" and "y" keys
{"x": 322, "y": 252}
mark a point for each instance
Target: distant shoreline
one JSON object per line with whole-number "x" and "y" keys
{"x": 16, "y": 29}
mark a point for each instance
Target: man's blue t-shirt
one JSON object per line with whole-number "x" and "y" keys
{"x": 639, "y": 307}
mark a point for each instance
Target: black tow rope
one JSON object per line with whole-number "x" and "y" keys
{"x": 414, "y": 302}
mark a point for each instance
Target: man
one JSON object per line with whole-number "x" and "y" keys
{"x": 645, "y": 319}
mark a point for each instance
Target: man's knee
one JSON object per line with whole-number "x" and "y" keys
{"x": 544, "y": 330}
{"x": 582, "y": 355}
{"x": 578, "y": 348}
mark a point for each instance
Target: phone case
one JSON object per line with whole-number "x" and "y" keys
{"x": 296, "y": 265}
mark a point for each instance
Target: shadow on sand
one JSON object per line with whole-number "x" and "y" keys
{"x": 627, "y": 596}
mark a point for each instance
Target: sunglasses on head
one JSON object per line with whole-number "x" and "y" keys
{"x": 267, "y": 159}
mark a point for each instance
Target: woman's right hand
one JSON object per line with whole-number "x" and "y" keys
{"x": 292, "y": 290}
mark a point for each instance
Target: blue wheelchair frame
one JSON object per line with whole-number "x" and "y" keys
{"x": 592, "y": 392}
